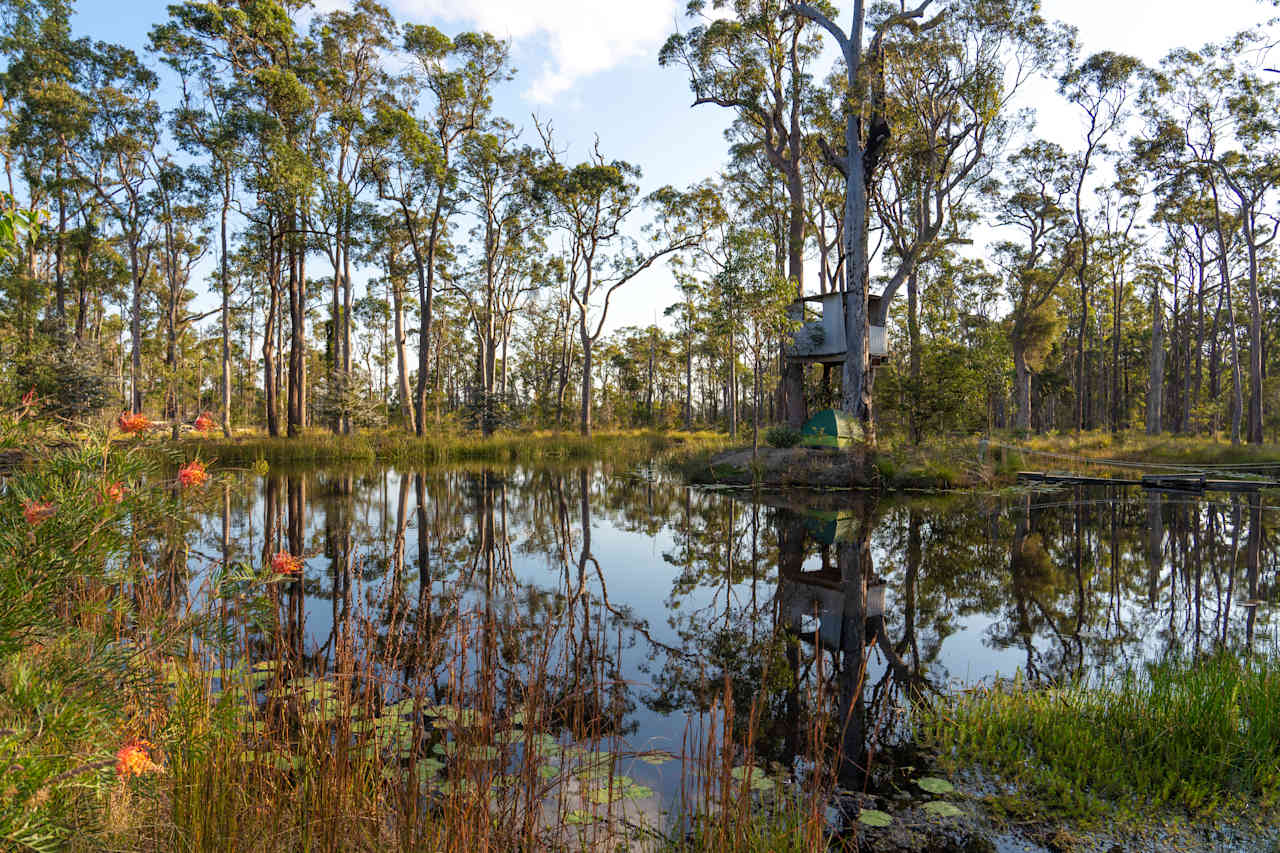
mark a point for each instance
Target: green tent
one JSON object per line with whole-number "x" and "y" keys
{"x": 830, "y": 428}
{"x": 827, "y": 528}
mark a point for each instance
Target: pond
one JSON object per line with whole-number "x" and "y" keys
{"x": 652, "y": 617}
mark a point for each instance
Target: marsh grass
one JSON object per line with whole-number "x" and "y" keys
{"x": 1099, "y": 446}
{"x": 442, "y": 448}
{"x": 1198, "y": 735}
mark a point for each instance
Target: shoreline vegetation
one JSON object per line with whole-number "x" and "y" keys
{"x": 127, "y": 723}
{"x": 446, "y": 447}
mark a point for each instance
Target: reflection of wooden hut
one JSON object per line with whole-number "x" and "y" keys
{"x": 822, "y": 339}
{"x": 814, "y": 594}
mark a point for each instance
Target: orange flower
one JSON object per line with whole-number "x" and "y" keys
{"x": 135, "y": 422}
{"x": 134, "y": 759}
{"x": 37, "y": 511}
{"x": 204, "y": 423}
{"x": 111, "y": 493}
{"x": 193, "y": 474}
{"x": 286, "y": 564}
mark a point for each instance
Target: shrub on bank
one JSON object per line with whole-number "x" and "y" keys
{"x": 782, "y": 436}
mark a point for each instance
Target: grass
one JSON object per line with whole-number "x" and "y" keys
{"x": 1065, "y": 450}
{"x": 1199, "y": 736}
{"x": 539, "y": 446}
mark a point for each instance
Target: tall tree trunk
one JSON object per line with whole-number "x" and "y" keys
{"x": 585, "y": 421}
{"x": 1021, "y": 387}
{"x": 914, "y": 427}
{"x": 402, "y": 360}
{"x": 297, "y": 342}
{"x": 1155, "y": 389}
{"x": 135, "y": 325}
{"x": 1255, "y": 339}
{"x": 224, "y": 279}
{"x": 270, "y": 370}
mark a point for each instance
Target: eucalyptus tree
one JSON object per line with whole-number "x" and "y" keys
{"x": 208, "y": 122}
{"x": 272, "y": 65}
{"x": 592, "y": 204}
{"x": 1033, "y": 200}
{"x": 949, "y": 92}
{"x": 183, "y": 241}
{"x": 1189, "y": 135}
{"x": 348, "y": 82}
{"x": 757, "y": 61}
{"x": 49, "y": 115}
{"x": 459, "y": 74}
{"x": 1103, "y": 87}
{"x": 686, "y": 315}
{"x": 116, "y": 159}
{"x": 866, "y": 132}
{"x": 495, "y": 182}
{"x": 1251, "y": 171}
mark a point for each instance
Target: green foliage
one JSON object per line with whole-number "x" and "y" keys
{"x": 782, "y": 436}
{"x": 1196, "y": 734}
{"x": 70, "y": 380}
{"x": 67, "y": 682}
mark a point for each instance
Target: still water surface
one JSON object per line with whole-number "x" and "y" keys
{"x": 650, "y": 596}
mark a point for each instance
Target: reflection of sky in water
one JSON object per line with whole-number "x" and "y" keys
{"x": 964, "y": 584}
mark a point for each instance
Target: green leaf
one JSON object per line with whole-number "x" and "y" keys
{"x": 934, "y": 785}
{"x": 874, "y": 817}
{"x": 941, "y": 808}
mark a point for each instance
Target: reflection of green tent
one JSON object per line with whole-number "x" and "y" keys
{"x": 830, "y": 428}
{"x": 829, "y": 527}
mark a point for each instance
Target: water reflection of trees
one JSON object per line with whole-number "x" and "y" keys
{"x": 1070, "y": 582}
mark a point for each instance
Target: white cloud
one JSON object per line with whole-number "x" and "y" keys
{"x": 577, "y": 37}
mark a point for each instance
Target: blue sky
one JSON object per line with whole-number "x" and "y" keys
{"x": 590, "y": 67}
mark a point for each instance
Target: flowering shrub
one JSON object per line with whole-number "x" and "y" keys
{"x": 193, "y": 474}
{"x": 111, "y": 493}
{"x": 205, "y": 422}
{"x": 37, "y": 511}
{"x": 135, "y": 758}
{"x": 133, "y": 422}
{"x": 71, "y": 680}
{"x": 286, "y": 564}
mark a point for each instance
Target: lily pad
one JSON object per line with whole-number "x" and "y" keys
{"x": 934, "y": 785}
{"x": 756, "y": 778}
{"x": 941, "y": 808}
{"x": 874, "y": 817}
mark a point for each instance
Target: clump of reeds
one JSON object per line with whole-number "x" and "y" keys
{"x": 1197, "y": 734}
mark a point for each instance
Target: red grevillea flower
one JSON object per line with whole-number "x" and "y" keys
{"x": 37, "y": 511}
{"x": 192, "y": 474}
{"x": 134, "y": 759}
{"x": 133, "y": 422}
{"x": 111, "y": 493}
{"x": 204, "y": 423}
{"x": 29, "y": 399}
{"x": 286, "y": 564}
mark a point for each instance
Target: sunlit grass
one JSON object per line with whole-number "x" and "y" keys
{"x": 1194, "y": 735}
{"x": 445, "y": 447}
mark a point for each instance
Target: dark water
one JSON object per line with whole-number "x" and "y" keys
{"x": 649, "y": 597}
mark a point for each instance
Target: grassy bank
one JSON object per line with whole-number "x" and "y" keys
{"x": 1198, "y": 736}
{"x": 1099, "y": 447}
{"x": 444, "y": 447}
